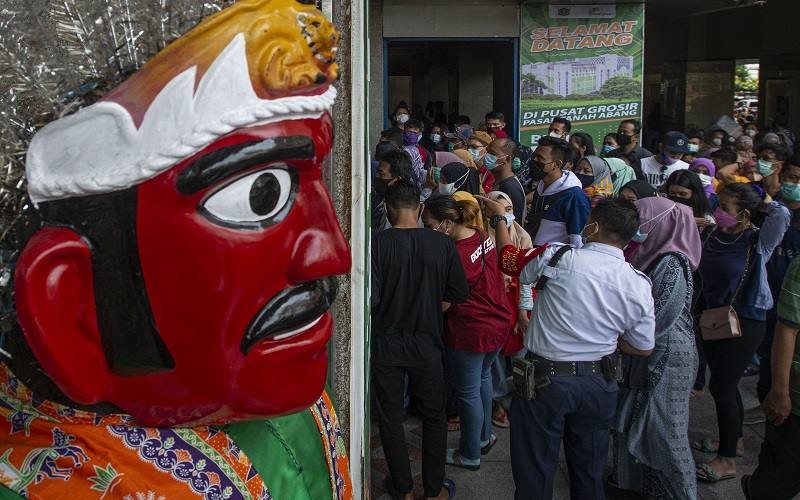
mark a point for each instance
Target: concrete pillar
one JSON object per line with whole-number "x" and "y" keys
{"x": 349, "y": 190}
{"x": 377, "y": 104}
{"x": 475, "y": 89}
{"x": 709, "y": 92}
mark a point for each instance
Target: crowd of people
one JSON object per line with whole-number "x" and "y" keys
{"x": 597, "y": 288}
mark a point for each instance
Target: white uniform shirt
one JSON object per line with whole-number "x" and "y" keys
{"x": 593, "y": 298}
{"x": 656, "y": 174}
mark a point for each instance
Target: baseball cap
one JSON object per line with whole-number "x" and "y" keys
{"x": 463, "y": 132}
{"x": 675, "y": 141}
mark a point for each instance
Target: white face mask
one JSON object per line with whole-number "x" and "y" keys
{"x": 450, "y": 188}
{"x": 750, "y": 132}
{"x": 402, "y": 118}
{"x": 716, "y": 141}
{"x": 705, "y": 180}
{"x": 693, "y": 148}
{"x": 555, "y": 134}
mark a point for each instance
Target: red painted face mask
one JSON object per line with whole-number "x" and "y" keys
{"x": 234, "y": 269}
{"x": 186, "y": 268}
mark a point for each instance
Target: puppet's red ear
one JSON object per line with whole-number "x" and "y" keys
{"x": 56, "y": 309}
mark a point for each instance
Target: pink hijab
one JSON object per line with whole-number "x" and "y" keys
{"x": 670, "y": 227}
{"x": 445, "y": 157}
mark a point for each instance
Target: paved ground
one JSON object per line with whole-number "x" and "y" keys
{"x": 494, "y": 479}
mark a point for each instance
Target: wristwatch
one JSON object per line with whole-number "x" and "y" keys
{"x": 495, "y": 219}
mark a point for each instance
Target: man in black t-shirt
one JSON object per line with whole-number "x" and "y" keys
{"x": 628, "y": 134}
{"x": 416, "y": 273}
{"x": 501, "y": 153}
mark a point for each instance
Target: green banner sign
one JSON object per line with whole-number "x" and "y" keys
{"x": 581, "y": 62}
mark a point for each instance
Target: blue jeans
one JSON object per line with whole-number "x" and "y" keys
{"x": 472, "y": 374}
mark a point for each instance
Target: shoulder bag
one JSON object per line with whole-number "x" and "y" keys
{"x": 720, "y": 323}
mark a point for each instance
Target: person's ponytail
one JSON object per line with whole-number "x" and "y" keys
{"x": 470, "y": 214}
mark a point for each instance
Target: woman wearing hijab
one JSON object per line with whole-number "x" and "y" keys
{"x": 595, "y": 177}
{"x": 651, "y": 444}
{"x": 706, "y": 170}
{"x": 521, "y": 299}
{"x": 621, "y": 173}
{"x": 637, "y": 190}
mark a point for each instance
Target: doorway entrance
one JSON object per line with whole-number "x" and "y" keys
{"x": 451, "y": 77}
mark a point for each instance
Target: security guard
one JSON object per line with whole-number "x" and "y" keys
{"x": 591, "y": 304}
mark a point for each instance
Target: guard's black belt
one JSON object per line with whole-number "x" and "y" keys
{"x": 565, "y": 368}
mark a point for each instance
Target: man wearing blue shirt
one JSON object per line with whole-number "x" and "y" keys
{"x": 594, "y": 304}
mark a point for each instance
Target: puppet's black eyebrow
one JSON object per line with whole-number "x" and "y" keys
{"x": 225, "y": 162}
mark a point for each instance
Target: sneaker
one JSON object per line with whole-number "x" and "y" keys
{"x": 754, "y": 416}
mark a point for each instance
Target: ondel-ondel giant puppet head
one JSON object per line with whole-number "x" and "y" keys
{"x": 185, "y": 266}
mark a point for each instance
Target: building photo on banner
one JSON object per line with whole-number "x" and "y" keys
{"x": 580, "y": 62}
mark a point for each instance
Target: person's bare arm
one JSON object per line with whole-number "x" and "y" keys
{"x": 728, "y": 173}
{"x": 629, "y": 349}
{"x": 445, "y": 306}
{"x": 778, "y": 405}
{"x": 501, "y": 234}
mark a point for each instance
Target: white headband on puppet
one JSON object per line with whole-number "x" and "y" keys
{"x": 99, "y": 149}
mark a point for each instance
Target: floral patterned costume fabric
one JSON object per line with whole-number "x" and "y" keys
{"x": 48, "y": 450}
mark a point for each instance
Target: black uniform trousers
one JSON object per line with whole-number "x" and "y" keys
{"x": 579, "y": 411}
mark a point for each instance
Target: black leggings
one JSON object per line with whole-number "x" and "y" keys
{"x": 727, "y": 360}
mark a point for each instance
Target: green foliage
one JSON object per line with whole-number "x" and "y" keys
{"x": 621, "y": 87}
{"x": 743, "y": 81}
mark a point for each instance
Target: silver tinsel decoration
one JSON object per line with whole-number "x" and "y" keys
{"x": 57, "y": 56}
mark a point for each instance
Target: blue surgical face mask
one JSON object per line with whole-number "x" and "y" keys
{"x": 607, "y": 148}
{"x": 639, "y": 237}
{"x": 436, "y": 138}
{"x": 476, "y": 153}
{"x": 765, "y": 168}
{"x": 516, "y": 164}
{"x": 693, "y": 148}
{"x": 667, "y": 159}
{"x": 790, "y": 191}
{"x": 489, "y": 161}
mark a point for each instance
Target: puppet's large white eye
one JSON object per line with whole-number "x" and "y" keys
{"x": 255, "y": 200}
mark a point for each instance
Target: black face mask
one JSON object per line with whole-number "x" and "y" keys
{"x": 536, "y": 170}
{"x": 624, "y": 140}
{"x": 380, "y": 185}
{"x": 682, "y": 201}
{"x": 586, "y": 180}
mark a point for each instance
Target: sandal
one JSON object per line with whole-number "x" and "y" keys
{"x": 485, "y": 449}
{"x": 706, "y": 445}
{"x": 706, "y": 473}
{"x": 451, "y": 488}
{"x": 500, "y": 416}
{"x": 456, "y": 460}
